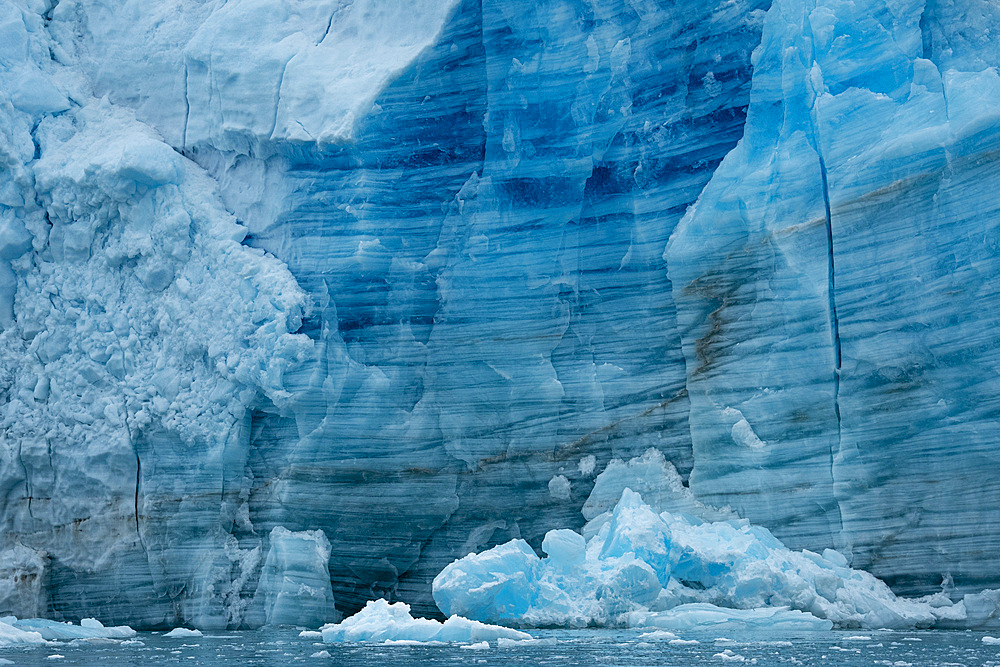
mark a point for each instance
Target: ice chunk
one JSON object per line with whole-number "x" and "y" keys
{"x": 381, "y": 621}
{"x": 729, "y": 656}
{"x": 183, "y": 632}
{"x": 504, "y": 642}
{"x": 559, "y": 487}
{"x": 656, "y": 480}
{"x": 294, "y": 587}
{"x": 565, "y": 547}
{"x": 11, "y": 635}
{"x": 88, "y": 629}
{"x": 22, "y": 572}
{"x": 644, "y": 569}
{"x": 704, "y": 616}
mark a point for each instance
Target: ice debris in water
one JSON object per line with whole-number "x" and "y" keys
{"x": 636, "y": 567}
{"x": 381, "y": 621}
{"x": 10, "y": 635}
{"x": 40, "y": 630}
{"x": 183, "y": 632}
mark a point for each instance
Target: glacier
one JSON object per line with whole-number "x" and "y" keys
{"x": 299, "y": 303}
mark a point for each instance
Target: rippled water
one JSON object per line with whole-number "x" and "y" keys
{"x": 562, "y": 648}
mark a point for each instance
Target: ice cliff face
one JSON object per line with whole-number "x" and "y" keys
{"x": 400, "y": 273}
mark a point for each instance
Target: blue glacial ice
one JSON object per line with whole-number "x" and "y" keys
{"x": 294, "y": 586}
{"x": 634, "y": 566}
{"x": 274, "y": 273}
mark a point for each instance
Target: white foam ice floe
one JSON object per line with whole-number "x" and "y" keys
{"x": 381, "y": 621}
{"x": 634, "y": 567}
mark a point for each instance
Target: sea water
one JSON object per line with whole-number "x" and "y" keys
{"x": 563, "y": 648}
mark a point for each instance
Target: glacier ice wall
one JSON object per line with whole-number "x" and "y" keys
{"x": 836, "y": 287}
{"x": 268, "y": 266}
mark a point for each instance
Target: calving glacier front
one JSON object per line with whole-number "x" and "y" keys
{"x": 300, "y": 302}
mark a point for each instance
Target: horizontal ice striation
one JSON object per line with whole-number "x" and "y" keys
{"x": 465, "y": 214}
{"x": 481, "y": 253}
{"x": 479, "y": 243}
{"x": 836, "y": 291}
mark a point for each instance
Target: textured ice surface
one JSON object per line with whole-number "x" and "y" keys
{"x": 12, "y": 636}
{"x": 183, "y": 633}
{"x": 49, "y": 630}
{"x": 704, "y": 617}
{"x": 381, "y": 621}
{"x": 836, "y": 285}
{"x": 294, "y": 587}
{"x": 403, "y": 281}
{"x": 676, "y": 572}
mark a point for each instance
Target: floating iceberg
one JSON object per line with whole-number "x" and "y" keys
{"x": 183, "y": 632}
{"x": 10, "y": 635}
{"x": 676, "y": 572}
{"x": 381, "y": 621}
{"x": 24, "y": 630}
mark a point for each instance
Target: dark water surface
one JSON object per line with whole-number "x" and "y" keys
{"x": 562, "y": 648}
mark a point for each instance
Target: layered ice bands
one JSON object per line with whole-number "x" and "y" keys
{"x": 295, "y": 293}
{"x": 837, "y": 294}
{"x": 676, "y": 572}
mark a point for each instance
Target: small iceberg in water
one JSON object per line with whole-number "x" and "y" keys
{"x": 381, "y": 621}
{"x": 40, "y": 630}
